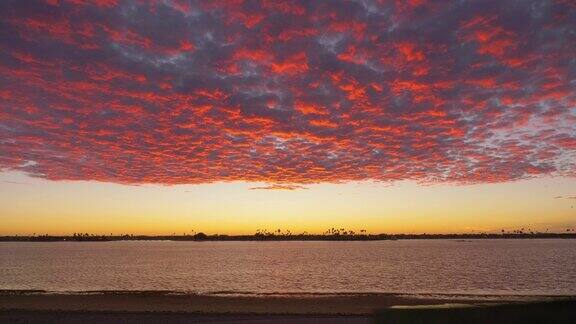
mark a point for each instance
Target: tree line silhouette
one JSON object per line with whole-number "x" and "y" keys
{"x": 331, "y": 234}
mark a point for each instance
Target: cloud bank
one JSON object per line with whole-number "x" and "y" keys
{"x": 288, "y": 92}
{"x": 279, "y": 187}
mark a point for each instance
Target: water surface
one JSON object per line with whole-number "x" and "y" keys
{"x": 475, "y": 267}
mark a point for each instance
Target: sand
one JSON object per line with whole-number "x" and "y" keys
{"x": 357, "y": 304}
{"x": 69, "y": 317}
{"x": 161, "y": 307}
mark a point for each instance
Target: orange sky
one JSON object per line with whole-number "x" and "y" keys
{"x": 30, "y": 205}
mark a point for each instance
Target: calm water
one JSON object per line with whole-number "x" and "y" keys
{"x": 523, "y": 267}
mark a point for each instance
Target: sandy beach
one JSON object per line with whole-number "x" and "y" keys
{"x": 71, "y": 317}
{"x": 353, "y": 304}
{"x": 162, "y": 307}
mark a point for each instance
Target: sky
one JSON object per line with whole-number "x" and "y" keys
{"x": 230, "y": 116}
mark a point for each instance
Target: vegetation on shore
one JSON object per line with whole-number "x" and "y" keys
{"x": 332, "y": 234}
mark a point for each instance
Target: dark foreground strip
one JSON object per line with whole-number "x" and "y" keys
{"x": 546, "y": 312}
{"x": 78, "y": 317}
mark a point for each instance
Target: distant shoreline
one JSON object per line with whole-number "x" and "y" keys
{"x": 298, "y": 237}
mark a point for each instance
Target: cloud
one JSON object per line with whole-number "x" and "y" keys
{"x": 14, "y": 182}
{"x": 298, "y": 92}
{"x": 279, "y": 187}
{"x": 565, "y": 197}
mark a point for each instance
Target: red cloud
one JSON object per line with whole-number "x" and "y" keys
{"x": 287, "y": 92}
{"x": 294, "y": 64}
{"x": 279, "y": 187}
